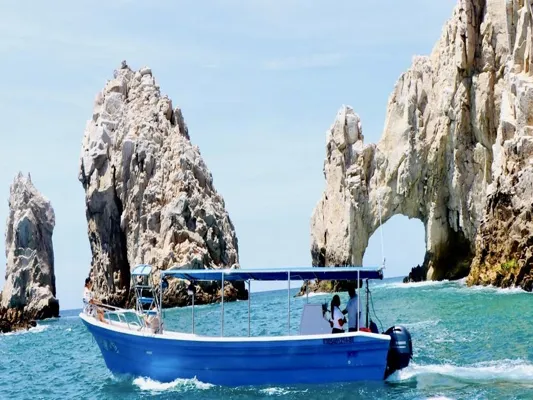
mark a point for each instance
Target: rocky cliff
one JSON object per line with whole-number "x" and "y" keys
{"x": 455, "y": 154}
{"x": 29, "y": 290}
{"x": 149, "y": 195}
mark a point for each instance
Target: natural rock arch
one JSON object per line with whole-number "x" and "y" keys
{"x": 361, "y": 179}
{"x": 446, "y": 145}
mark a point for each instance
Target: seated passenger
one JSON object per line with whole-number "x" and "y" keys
{"x": 152, "y": 320}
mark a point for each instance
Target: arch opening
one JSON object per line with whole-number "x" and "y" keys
{"x": 404, "y": 246}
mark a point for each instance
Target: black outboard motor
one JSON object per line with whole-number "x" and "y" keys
{"x": 400, "y": 349}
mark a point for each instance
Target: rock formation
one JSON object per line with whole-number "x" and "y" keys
{"x": 29, "y": 290}
{"x": 417, "y": 274}
{"x": 455, "y": 153}
{"x": 150, "y": 198}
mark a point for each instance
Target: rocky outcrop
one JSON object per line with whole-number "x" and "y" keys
{"x": 13, "y": 319}
{"x": 149, "y": 196}
{"x": 417, "y": 274}
{"x": 504, "y": 245}
{"x": 456, "y": 145}
{"x": 29, "y": 290}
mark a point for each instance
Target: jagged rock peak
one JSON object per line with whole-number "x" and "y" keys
{"x": 150, "y": 197}
{"x": 30, "y": 281}
{"x": 458, "y": 127}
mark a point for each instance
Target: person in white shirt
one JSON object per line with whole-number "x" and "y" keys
{"x": 88, "y": 295}
{"x": 351, "y": 310}
{"x": 337, "y": 317}
{"x": 89, "y": 302}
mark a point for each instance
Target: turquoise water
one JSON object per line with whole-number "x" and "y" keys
{"x": 469, "y": 343}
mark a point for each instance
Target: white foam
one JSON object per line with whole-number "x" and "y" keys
{"x": 275, "y": 391}
{"x": 496, "y": 290}
{"x": 518, "y": 371}
{"x": 409, "y": 285}
{"x": 36, "y": 329}
{"x": 439, "y": 398}
{"x": 179, "y": 384}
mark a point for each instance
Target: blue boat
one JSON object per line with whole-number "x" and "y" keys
{"x": 135, "y": 342}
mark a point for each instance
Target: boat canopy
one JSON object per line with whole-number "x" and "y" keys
{"x": 277, "y": 274}
{"x": 142, "y": 270}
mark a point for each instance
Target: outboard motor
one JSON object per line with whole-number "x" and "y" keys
{"x": 400, "y": 349}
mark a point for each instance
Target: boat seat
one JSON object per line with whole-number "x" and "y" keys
{"x": 146, "y": 300}
{"x": 313, "y": 322}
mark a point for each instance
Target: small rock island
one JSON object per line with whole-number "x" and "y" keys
{"x": 29, "y": 290}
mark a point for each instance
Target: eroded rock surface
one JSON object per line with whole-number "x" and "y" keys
{"x": 150, "y": 198}
{"x": 29, "y": 290}
{"x": 455, "y": 153}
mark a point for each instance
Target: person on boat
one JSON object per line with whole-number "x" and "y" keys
{"x": 351, "y": 310}
{"x": 152, "y": 320}
{"x": 337, "y": 317}
{"x": 90, "y": 303}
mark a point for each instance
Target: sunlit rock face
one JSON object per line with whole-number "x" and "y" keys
{"x": 149, "y": 196}
{"x": 29, "y": 290}
{"x": 455, "y": 154}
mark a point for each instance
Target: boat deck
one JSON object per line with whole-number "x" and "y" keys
{"x": 122, "y": 327}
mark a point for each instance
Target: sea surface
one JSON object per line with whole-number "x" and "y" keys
{"x": 469, "y": 343}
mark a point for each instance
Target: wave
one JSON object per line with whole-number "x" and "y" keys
{"x": 439, "y": 398}
{"x": 515, "y": 371}
{"x": 36, "y": 329}
{"x": 178, "y": 384}
{"x": 401, "y": 285}
{"x": 275, "y": 391}
{"x": 495, "y": 289}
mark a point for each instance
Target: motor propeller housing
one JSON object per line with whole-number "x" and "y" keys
{"x": 400, "y": 349}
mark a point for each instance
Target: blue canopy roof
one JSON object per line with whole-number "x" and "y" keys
{"x": 296, "y": 274}
{"x": 142, "y": 270}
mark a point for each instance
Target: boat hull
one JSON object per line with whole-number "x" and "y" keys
{"x": 242, "y": 361}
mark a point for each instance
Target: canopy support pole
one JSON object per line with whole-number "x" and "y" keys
{"x": 222, "y": 311}
{"x": 249, "y": 295}
{"x": 358, "y": 301}
{"x": 367, "y": 309}
{"x": 289, "y": 301}
{"x": 160, "y": 303}
{"x": 193, "y": 313}
{"x": 307, "y": 292}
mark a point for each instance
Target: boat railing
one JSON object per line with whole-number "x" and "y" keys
{"x": 121, "y": 315}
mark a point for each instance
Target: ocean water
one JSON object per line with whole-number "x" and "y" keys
{"x": 469, "y": 343}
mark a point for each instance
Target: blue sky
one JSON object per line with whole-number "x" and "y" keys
{"x": 259, "y": 83}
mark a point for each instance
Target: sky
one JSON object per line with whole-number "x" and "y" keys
{"x": 259, "y": 83}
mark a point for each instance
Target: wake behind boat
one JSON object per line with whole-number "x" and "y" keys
{"x": 136, "y": 343}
